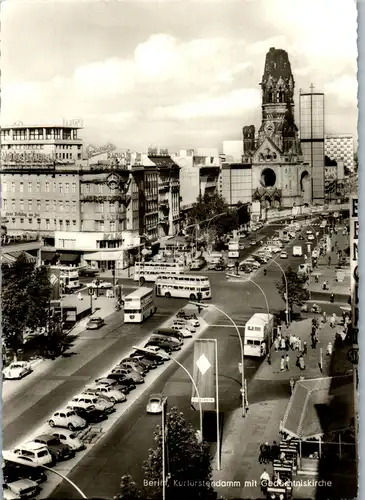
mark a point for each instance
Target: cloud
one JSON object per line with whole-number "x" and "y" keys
{"x": 344, "y": 88}
{"x": 232, "y": 104}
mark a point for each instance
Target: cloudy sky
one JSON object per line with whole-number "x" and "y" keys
{"x": 172, "y": 73}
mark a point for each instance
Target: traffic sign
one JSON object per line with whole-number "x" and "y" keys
{"x": 195, "y": 399}
{"x": 91, "y": 290}
{"x": 353, "y": 355}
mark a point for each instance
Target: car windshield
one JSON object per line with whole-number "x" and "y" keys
{"x": 52, "y": 442}
{"x": 95, "y": 320}
{"x": 73, "y": 436}
{"x": 155, "y": 400}
{"x": 16, "y": 365}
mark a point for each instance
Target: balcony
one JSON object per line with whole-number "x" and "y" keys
{"x": 162, "y": 186}
{"x": 164, "y": 202}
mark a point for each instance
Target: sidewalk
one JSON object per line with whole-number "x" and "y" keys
{"x": 268, "y": 395}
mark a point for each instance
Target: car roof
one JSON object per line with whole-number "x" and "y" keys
{"x": 159, "y": 396}
{"x": 45, "y": 437}
{"x": 96, "y": 318}
{"x": 32, "y": 445}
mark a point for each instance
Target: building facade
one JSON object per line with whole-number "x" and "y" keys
{"x": 236, "y": 183}
{"x": 340, "y": 147}
{"x": 311, "y": 113}
{"x": 40, "y": 178}
{"x": 280, "y": 178}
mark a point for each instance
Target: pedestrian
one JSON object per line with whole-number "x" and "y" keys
{"x": 314, "y": 341}
{"x": 282, "y": 344}
{"x": 265, "y": 271}
{"x": 282, "y": 363}
{"x": 332, "y": 298}
{"x": 291, "y": 341}
{"x": 333, "y": 320}
{"x": 264, "y": 481}
{"x": 278, "y": 329}
{"x": 329, "y": 349}
{"x": 305, "y": 348}
{"x": 292, "y": 384}
{"x": 287, "y": 343}
{"x": 275, "y": 451}
{"x": 262, "y": 453}
{"x": 299, "y": 345}
{"x": 276, "y": 344}
{"x": 329, "y": 261}
{"x": 287, "y": 361}
{"x": 301, "y": 363}
{"x": 324, "y": 317}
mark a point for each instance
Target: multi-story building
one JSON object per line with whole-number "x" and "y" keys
{"x": 40, "y": 178}
{"x": 236, "y": 182}
{"x": 199, "y": 174}
{"x": 311, "y": 113}
{"x": 340, "y": 147}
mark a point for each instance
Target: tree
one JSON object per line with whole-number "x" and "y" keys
{"x": 206, "y": 207}
{"x": 188, "y": 462}
{"x": 128, "y": 490}
{"x": 26, "y": 291}
{"x": 297, "y": 294}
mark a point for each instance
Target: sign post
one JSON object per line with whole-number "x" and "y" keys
{"x": 91, "y": 293}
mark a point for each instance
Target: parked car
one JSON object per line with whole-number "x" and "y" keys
{"x": 34, "y": 452}
{"x": 284, "y": 255}
{"x": 89, "y": 400}
{"x": 183, "y": 331}
{"x": 100, "y": 284}
{"x": 187, "y": 315}
{"x": 246, "y": 269}
{"x": 112, "y": 394}
{"x": 148, "y": 362}
{"x": 13, "y": 471}
{"x": 219, "y": 267}
{"x": 127, "y": 385}
{"x": 94, "y": 323}
{"x": 159, "y": 347}
{"x": 301, "y": 237}
{"x": 172, "y": 343}
{"x": 129, "y": 373}
{"x": 184, "y": 324}
{"x": 58, "y": 450}
{"x": 89, "y": 271}
{"x": 23, "y": 488}
{"x": 155, "y": 404}
{"x": 310, "y": 237}
{"x": 67, "y": 418}
{"x": 211, "y": 266}
{"x": 134, "y": 365}
{"x": 91, "y": 415}
{"x": 70, "y": 438}
{"x": 16, "y": 370}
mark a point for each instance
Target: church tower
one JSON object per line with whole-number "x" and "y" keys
{"x": 277, "y": 163}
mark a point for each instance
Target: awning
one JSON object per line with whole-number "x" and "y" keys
{"x": 105, "y": 255}
{"x": 69, "y": 257}
{"x": 10, "y": 258}
{"x": 48, "y": 256}
{"x": 319, "y": 406}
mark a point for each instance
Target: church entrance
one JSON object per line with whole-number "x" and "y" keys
{"x": 305, "y": 187}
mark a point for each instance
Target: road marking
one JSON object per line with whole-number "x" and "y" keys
{"x": 203, "y": 364}
{"x": 228, "y": 326}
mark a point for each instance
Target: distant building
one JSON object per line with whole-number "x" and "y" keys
{"x": 340, "y": 147}
{"x": 236, "y": 183}
{"x": 311, "y": 115}
{"x": 199, "y": 174}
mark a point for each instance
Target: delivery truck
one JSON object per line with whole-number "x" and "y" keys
{"x": 258, "y": 335}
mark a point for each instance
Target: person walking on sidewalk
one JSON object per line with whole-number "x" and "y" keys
{"x": 287, "y": 343}
{"x": 292, "y": 384}
{"x": 305, "y": 348}
{"x": 276, "y": 344}
{"x": 324, "y": 317}
{"x": 287, "y": 362}
{"x": 314, "y": 341}
{"x": 282, "y": 363}
{"x": 329, "y": 349}
{"x": 301, "y": 362}
{"x": 264, "y": 481}
{"x": 282, "y": 344}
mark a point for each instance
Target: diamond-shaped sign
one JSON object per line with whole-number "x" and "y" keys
{"x": 203, "y": 364}
{"x": 53, "y": 279}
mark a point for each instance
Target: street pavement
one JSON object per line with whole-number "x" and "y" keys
{"x": 123, "y": 450}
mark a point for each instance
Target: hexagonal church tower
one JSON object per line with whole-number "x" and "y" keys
{"x": 280, "y": 178}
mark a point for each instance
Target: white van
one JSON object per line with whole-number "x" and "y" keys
{"x": 297, "y": 251}
{"x": 258, "y": 330}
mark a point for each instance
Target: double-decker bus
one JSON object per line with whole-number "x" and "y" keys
{"x": 69, "y": 277}
{"x": 149, "y": 271}
{"x": 139, "y": 305}
{"x": 183, "y": 286}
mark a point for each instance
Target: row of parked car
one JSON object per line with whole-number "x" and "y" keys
{"x": 91, "y": 406}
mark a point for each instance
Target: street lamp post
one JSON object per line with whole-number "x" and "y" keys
{"x": 243, "y": 391}
{"x": 286, "y": 292}
{"x": 11, "y": 457}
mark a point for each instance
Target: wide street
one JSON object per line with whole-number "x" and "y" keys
{"x": 125, "y": 447}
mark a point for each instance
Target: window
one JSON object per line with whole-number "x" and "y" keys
{"x": 54, "y": 223}
{"x": 5, "y": 187}
{"x": 54, "y": 187}
{"x": 54, "y": 205}
{"x": 67, "y": 206}
{"x": 74, "y": 206}
{"x": 74, "y": 224}
{"x": 88, "y": 188}
{"x": 113, "y": 226}
{"x": 30, "y": 221}
{"x": 61, "y": 224}
{"x": 36, "y": 133}
{"x": 60, "y": 186}
{"x": 67, "y": 187}
{"x": 13, "y": 187}
{"x": 47, "y": 205}
{"x": 13, "y": 205}
{"x": 21, "y": 187}
{"x": 38, "y": 187}
{"x": 48, "y": 226}
{"x": 21, "y": 221}
{"x": 49, "y": 133}
{"x": 67, "y": 225}
{"x": 5, "y": 204}
{"x": 38, "y": 205}
{"x": 74, "y": 187}
{"x": 60, "y": 206}
{"x": 30, "y": 205}
{"x": 21, "y": 203}
{"x": 29, "y": 187}
{"x": 47, "y": 187}
{"x": 111, "y": 207}
{"x": 57, "y": 133}
{"x": 74, "y": 135}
